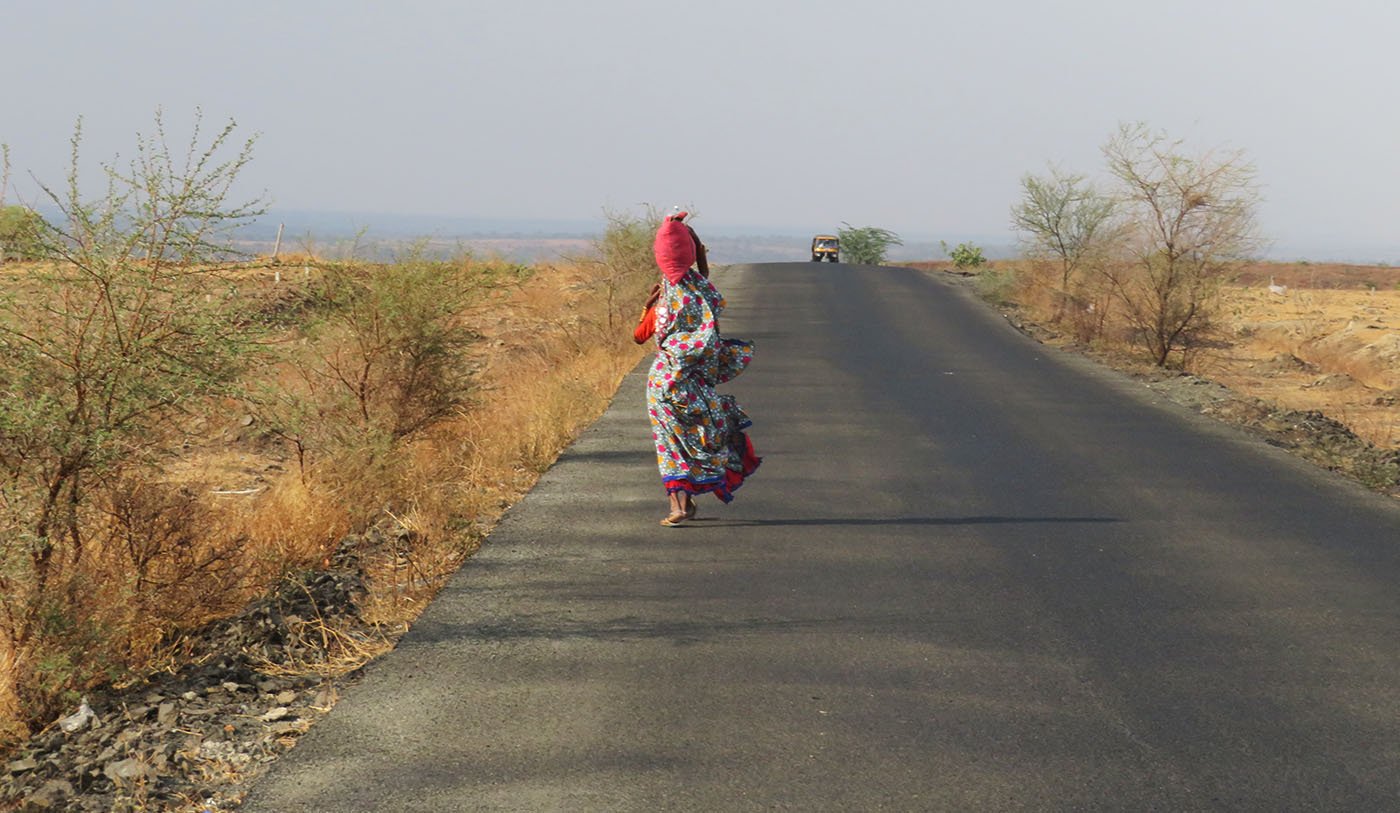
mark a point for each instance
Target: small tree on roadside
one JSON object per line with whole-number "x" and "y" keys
{"x": 866, "y": 245}
{"x": 130, "y": 322}
{"x": 1186, "y": 220}
{"x": 1067, "y": 222}
{"x": 623, "y": 256}
{"x": 389, "y": 355}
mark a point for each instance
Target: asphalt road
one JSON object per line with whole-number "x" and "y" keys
{"x": 972, "y": 574}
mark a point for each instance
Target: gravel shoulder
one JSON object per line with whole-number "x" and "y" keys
{"x": 237, "y": 695}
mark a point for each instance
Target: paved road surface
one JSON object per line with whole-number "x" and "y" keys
{"x": 972, "y": 574}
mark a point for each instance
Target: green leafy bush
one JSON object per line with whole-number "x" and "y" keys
{"x": 21, "y": 233}
{"x": 866, "y": 245}
{"x": 965, "y": 255}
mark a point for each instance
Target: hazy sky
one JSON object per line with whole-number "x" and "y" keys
{"x": 916, "y": 116}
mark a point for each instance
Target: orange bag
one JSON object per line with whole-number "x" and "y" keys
{"x": 646, "y": 326}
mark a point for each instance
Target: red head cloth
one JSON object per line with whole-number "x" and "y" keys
{"x": 674, "y": 248}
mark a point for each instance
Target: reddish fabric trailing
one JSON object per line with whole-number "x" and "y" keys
{"x": 724, "y": 488}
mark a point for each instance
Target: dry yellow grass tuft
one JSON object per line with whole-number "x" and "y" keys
{"x": 12, "y": 725}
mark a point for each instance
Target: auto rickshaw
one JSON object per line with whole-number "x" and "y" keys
{"x": 826, "y": 246}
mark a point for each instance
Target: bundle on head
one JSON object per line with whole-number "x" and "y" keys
{"x": 675, "y": 247}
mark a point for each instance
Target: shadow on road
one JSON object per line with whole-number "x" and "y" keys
{"x": 645, "y": 455}
{"x": 818, "y": 521}
{"x": 552, "y": 627}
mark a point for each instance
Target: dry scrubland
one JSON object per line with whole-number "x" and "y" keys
{"x": 356, "y": 415}
{"x": 1303, "y": 336}
{"x": 1329, "y": 341}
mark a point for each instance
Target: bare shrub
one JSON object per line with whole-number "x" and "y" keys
{"x": 157, "y": 559}
{"x": 1187, "y": 220}
{"x": 161, "y": 544}
{"x": 1143, "y": 261}
{"x": 1088, "y": 311}
{"x": 386, "y": 355}
{"x": 395, "y": 340}
{"x": 622, "y": 266}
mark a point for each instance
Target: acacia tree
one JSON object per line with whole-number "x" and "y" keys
{"x": 1065, "y": 220}
{"x": 388, "y": 356}
{"x": 623, "y": 256}
{"x": 1186, "y": 220}
{"x": 129, "y": 322}
{"x": 866, "y": 245}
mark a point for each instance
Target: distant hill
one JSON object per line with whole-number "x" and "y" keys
{"x": 381, "y": 235}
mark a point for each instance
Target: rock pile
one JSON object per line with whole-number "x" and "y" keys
{"x": 191, "y": 739}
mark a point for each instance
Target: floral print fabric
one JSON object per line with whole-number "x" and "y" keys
{"x": 701, "y": 446}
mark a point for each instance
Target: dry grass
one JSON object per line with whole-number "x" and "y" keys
{"x": 12, "y": 725}
{"x": 1324, "y": 337}
{"x": 234, "y": 514}
{"x": 1335, "y": 350}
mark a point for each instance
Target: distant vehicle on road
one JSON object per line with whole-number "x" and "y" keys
{"x": 826, "y": 246}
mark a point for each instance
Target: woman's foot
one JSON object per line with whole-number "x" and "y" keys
{"x": 682, "y": 508}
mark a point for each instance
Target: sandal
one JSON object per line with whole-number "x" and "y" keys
{"x": 690, "y": 509}
{"x": 674, "y": 520}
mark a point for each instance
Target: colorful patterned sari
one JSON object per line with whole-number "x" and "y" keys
{"x": 701, "y": 446}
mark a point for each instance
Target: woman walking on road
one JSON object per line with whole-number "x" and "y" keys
{"x": 701, "y": 446}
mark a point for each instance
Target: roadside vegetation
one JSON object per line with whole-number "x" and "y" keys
{"x": 19, "y": 232}
{"x": 866, "y": 245}
{"x": 965, "y": 256}
{"x": 20, "y": 226}
{"x": 1150, "y": 269}
{"x": 185, "y": 429}
{"x": 1308, "y": 350}
{"x": 1144, "y": 255}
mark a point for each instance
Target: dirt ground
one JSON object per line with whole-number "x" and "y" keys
{"x": 1309, "y": 337}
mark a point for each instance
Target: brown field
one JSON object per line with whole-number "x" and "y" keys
{"x": 1322, "y": 338}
